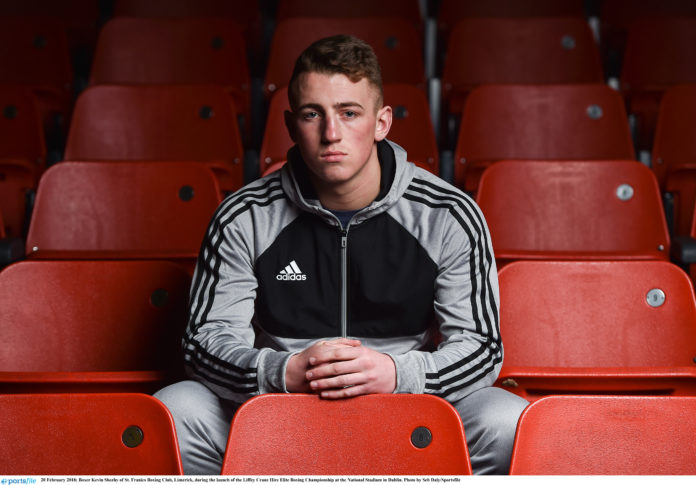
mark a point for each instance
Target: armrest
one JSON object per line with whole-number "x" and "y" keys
{"x": 11, "y": 250}
{"x": 683, "y": 250}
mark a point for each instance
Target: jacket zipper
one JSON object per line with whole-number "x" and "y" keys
{"x": 344, "y": 283}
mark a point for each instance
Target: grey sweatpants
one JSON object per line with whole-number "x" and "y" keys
{"x": 203, "y": 420}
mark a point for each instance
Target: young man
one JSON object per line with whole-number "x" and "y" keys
{"x": 335, "y": 274}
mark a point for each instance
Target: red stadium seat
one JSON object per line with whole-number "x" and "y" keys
{"x": 35, "y": 54}
{"x": 535, "y": 122}
{"x": 452, "y": 11}
{"x": 591, "y": 210}
{"x": 172, "y": 123}
{"x": 606, "y": 435}
{"x": 659, "y": 54}
{"x": 674, "y": 152}
{"x": 411, "y": 128}
{"x": 79, "y": 18}
{"x": 91, "y": 326}
{"x": 616, "y": 17}
{"x": 396, "y": 42}
{"x": 590, "y": 327}
{"x": 378, "y": 434}
{"x": 408, "y": 10}
{"x": 174, "y": 51}
{"x": 122, "y": 210}
{"x": 87, "y": 434}
{"x": 246, "y": 13}
{"x": 525, "y": 50}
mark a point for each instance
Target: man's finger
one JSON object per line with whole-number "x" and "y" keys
{"x": 333, "y": 354}
{"x": 331, "y": 369}
{"x": 346, "y": 392}
{"x": 343, "y": 341}
{"x": 338, "y": 382}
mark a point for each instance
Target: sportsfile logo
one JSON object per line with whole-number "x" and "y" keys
{"x": 18, "y": 481}
{"x": 291, "y": 272}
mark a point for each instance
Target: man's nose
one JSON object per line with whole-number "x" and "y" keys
{"x": 331, "y": 132}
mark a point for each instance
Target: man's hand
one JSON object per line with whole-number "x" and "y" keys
{"x": 350, "y": 370}
{"x": 298, "y": 365}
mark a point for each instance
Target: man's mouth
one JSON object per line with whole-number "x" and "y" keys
{"x": 332, "y": 156}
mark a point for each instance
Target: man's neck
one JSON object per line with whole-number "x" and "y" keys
{"x": 354, "y": 194}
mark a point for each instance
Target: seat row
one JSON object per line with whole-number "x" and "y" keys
{"x": 568, "y": 326}
{"x": 379, "y": 434}
{"x": 149, "y": 49}
{"x": 503, "y": 122}
{"x": 535, "y": 209}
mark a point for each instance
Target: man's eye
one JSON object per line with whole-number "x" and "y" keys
{"x": 310, "y": 115}
{"x": 350, "y": 114}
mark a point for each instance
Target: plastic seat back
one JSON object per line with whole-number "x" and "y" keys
{"x": 133, "y": 50}
{"x": 674, "y": 153}
{"x": 87, "y": 434}
{"x": 122, "y": 210}
{"x": 659, "y": 54}
{"x": 411, "y": 127}
{"x": 80, "y": 18}
{"x": 616, "y": 17}
{"x": 36, "y": 54}
{"x": 535, "y": 122}
{"x": 522, "y": 50}
{"x": 601, "y": 210}
{"x": 606, "y": 435}
{"x": 396, "y": 42}
{"x": 111, "y": 322}
{"x": 37, "y": 51}
{"x": 378, "y": 434}
{"x": 597, "y": 327}
{"x": 243, "y": 9}
{"x": 172, "y": 123}
{"x": 452, "y": 11}
{"x": 409, "y": 10}
{"x": 247, "y": 14}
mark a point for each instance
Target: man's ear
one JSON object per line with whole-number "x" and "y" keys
{"x": 290, "y": 124}
{"x": 384, "y": 121}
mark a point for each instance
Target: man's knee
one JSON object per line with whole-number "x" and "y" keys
{"x": 501, "y": 411}
{"x": 186, "y": 399}
{"x": 490, "y": 417}
{"x": 202, "y": 423}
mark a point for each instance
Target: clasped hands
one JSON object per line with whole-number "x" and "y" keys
{"x": 340, "y": 368}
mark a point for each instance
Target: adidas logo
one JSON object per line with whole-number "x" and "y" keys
{"x": 291, "y": 272}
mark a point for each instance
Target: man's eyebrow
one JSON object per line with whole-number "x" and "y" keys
{"x": 348, "y": 104}
{"x": 345, "y": 104}
{"x": 309, "y": 106}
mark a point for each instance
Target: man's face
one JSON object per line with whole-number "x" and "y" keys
{"x": 335, "y": 125}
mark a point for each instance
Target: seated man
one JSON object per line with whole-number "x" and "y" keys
{"x": 336, "y": 274}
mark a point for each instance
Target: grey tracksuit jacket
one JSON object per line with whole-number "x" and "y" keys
{"x": 413, "y": 276}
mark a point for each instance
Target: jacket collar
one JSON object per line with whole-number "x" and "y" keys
{"x": 396, "y": 175}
